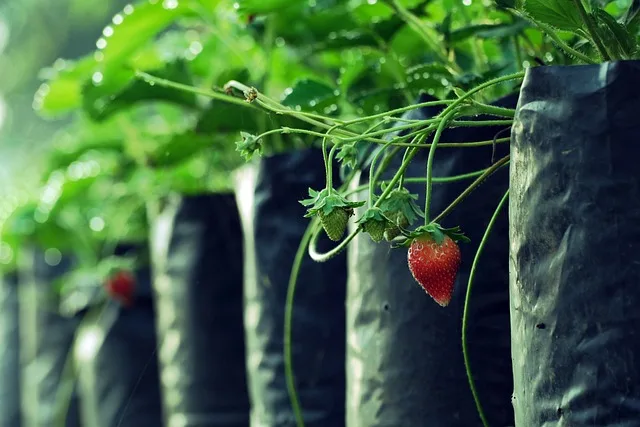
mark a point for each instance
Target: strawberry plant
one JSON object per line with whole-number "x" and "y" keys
{"x": 333, "y": 84}
{"x": 181, "y": 91}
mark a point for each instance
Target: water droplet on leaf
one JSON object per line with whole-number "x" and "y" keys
{"x": 97, "y": 78}
{"x": 170, "y": 4}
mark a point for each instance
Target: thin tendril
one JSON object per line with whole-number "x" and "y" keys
{"x": 465, "y": 314}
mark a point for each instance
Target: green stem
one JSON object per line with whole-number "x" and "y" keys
{"x": 276, "y": 107}
{"x": 409, "y": 144}
{"x": 317, "y": 256}
{"x": 372, "y": 169}
{"x": 487, "y": 173}
{"x": 489, "y": 83}
{"x": 385, "y": 163}
{"x": 552, "y": 34}
{"x": 330, "y": 168}
{"x": 393, "y": 129}
{"x": 432, "y": 152}
{"x": 192, "y": 89}
{"x": 494, "y": 110}
{"x": 435, "y": 180}
{"x": 591, "y": 28}
{"x": 399, "y": 111}
{"x": 326, "y": 164}
{"x": 518, "y": 53}
{"x": 465, "y": 314}
{"x": 272, "y": 131}
{"x": 401, "y": 170}
{"x": 453, "y": 144}
{"x": 273, "y": 106}
{"x": 288, "y": 324}
{"x": 480, "y": 123}
{"x": 303, "y": 116}
{"x": 401, "y": 180}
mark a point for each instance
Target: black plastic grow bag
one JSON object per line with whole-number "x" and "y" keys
{"x": 575, "y": 244}
{"x": 197, "y": 259}
{"x": 404, "y": 356}
{"x": 9, "y": 352}
{"x": 273, "y": 221}
{"x": 119, "y": 380}
{"x": 45, "y": 342}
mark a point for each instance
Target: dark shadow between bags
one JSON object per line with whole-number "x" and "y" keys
{"x": 273, "y": 221}
{"x": 198, "y": 290}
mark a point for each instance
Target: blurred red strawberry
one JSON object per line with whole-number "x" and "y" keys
{"x": 121, "y": 287}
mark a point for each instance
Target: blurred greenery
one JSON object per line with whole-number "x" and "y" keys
{"x": 84, "y": 155}
{"x": 103, "y": 142}
{"x": 33, "y": 33}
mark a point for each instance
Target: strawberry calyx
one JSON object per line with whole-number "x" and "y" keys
{"x": 348, "y": 155}
{"x": 403, "y": 202}
{"x": 401, "y": 210}
{"x": 325, "y": 201}
{"x": 249, "y": 146}
{"x": 434, "y": 231}
{"x": 374, "y": 222}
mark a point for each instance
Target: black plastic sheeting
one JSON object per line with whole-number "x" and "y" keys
{"x": 273, "y": 221}
{"x": 404, "y": 356}
{"x": 9, "y": 353}
{"x": 119, "y": 379}
{"x": 45, "y": 342}
{"x": 575, "y": 245}
{"x": 197, "y": 259}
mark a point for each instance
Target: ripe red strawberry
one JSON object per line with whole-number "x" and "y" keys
{"x": 434, "y": 266}
{"x": 121, "y": 287}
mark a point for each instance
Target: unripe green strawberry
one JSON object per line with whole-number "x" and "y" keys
{"x": 335, "y": 222}
{"x": 374, "y": 222}
{"x": 375, "y": 230}
{"x": 332, "y": 209}
{"x": 392, "y": 231}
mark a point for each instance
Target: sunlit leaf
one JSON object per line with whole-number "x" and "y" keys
{"x": 310, "y": 94}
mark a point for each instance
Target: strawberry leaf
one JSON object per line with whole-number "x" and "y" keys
{"x": 560, "y": 14}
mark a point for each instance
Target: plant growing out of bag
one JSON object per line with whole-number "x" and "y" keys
{"x": 353, "y": 101}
